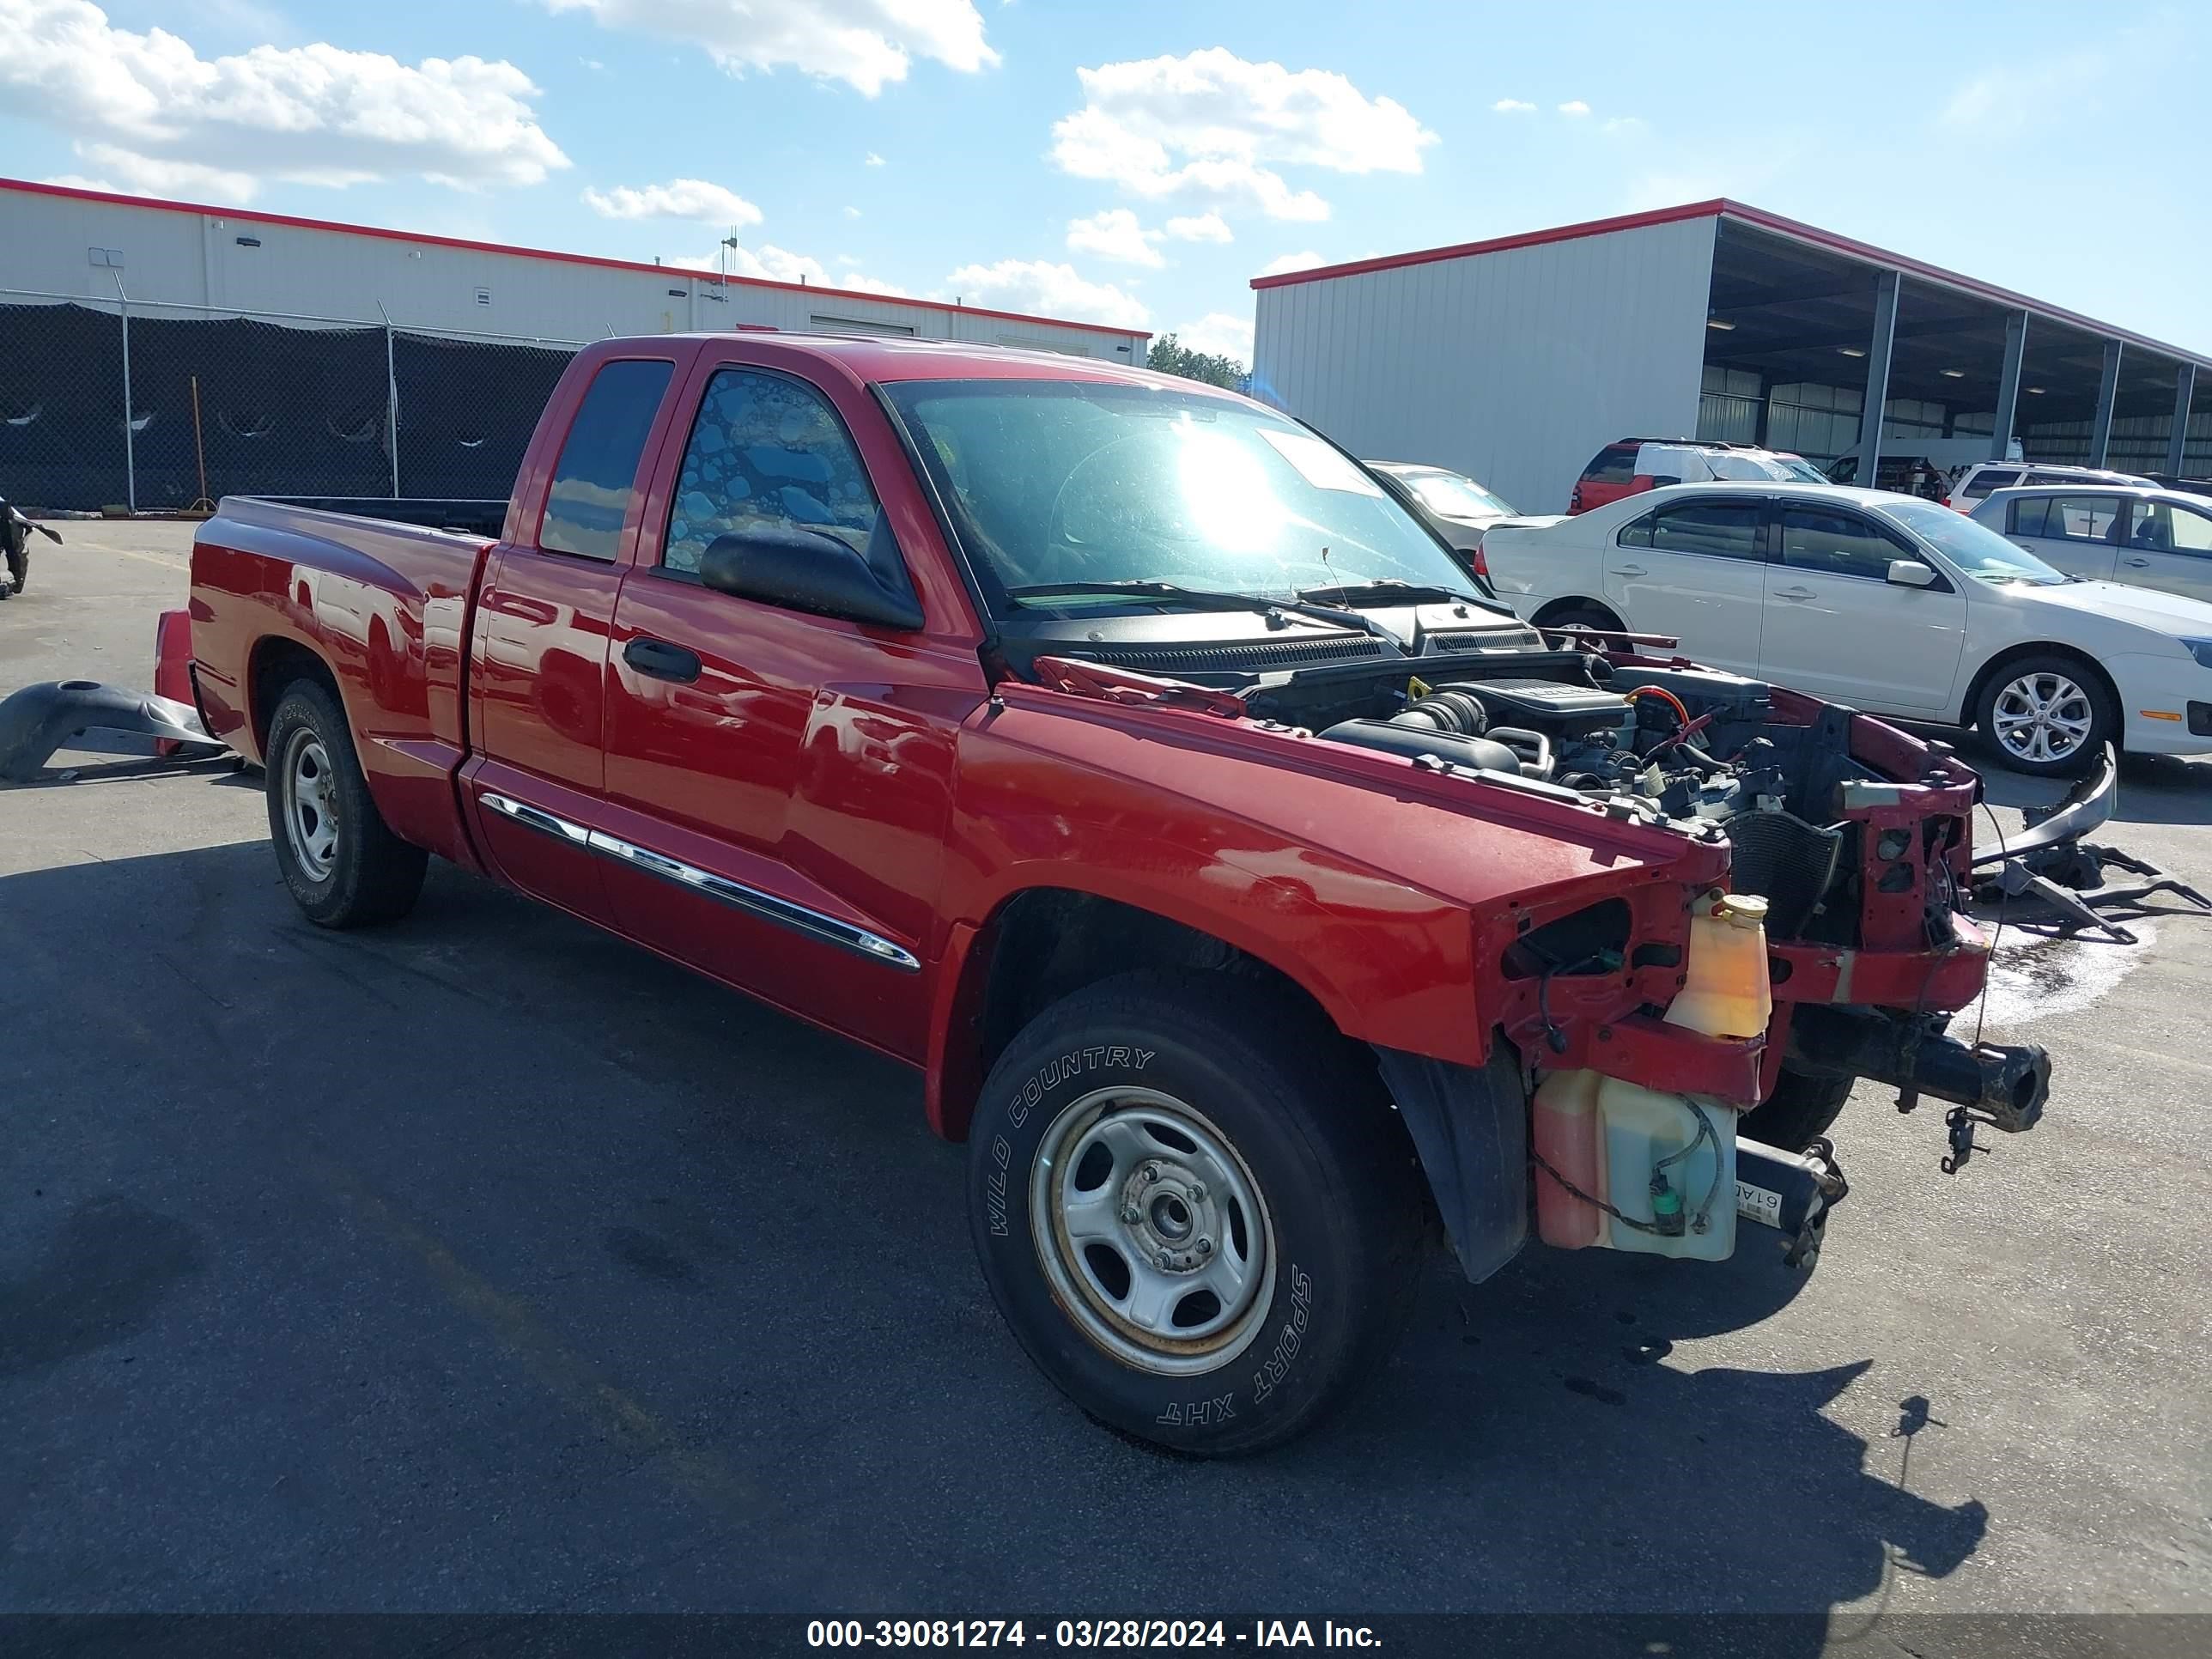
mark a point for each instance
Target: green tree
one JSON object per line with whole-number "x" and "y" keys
{"x": 1171, "y": 357}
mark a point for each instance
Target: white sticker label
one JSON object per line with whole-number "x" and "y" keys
{"x": 1757, "y": 1204}
{"x": 1317, "y": 464}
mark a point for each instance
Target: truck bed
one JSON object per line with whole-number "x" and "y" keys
{"x": 380, "y": 597}
{"x": 462, "y": 515}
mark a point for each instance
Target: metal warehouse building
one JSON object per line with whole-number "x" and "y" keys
{"x": 153, "y": 352}
{"x": 1515, "y": 360}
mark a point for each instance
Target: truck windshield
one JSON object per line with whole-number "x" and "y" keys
{"x": 1056, "y": 483}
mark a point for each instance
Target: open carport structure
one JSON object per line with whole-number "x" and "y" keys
{"x": 1515, "y": 359}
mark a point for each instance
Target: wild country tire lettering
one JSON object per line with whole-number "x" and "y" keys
{"x": 1047, "y": 1077}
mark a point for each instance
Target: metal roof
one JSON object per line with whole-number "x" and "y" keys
{"x": 1721, "y": 208}
{"x": 253, "y": 216}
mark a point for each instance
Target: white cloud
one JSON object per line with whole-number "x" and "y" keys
{"x": 1575, "y": 107}
{"x": 1305, "y": 260}
{"x": 150, "y": 104}
{"x": 694, "y": 199}
{"x": 1212, "y": 125}
{"x": 771, "y": 264}
{"x": 2010, "y": 97}
{"x": 1205, "y": 227}
{"x": 872, "y": 159}
{"x": 1622, "y": 126}
{"x": 1512, "y": 106}
{"x": 591, "y": 64}
{"x": 129, "y": 174}
{"x": 1115, "y": 234}
{"x": 864, "y": 43}
{"x": 1047, "y": 290}
{"x": 852, "y": 212}
{"x": 1218, "y": 334}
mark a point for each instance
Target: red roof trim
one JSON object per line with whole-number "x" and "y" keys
{"x": 254, "y": 216}
{"x": 1721, "y": 207}
{"x": 1496, "y": 244}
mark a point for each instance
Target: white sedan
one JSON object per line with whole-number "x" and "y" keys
{"x": 1887, "y": 603}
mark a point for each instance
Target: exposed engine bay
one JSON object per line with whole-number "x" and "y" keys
{"x": 1692, "y": 747}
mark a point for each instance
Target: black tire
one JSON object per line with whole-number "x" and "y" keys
{"x": 1798, "y": 1112}
{"x": 1339, "y": 1232}
{"x": 1585, "y": 617}
{"x": 2053, "y": 669}
{"x": 366, "y": 875}
{"x": 19, "y": 574}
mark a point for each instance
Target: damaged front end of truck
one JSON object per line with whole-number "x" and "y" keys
{"x": 1669, "y": 1042}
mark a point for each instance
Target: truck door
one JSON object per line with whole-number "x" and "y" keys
{"x": 780, "y": 782}
{"x": 539, "y": 647}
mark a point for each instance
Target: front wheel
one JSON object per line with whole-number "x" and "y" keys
{"x": 1197, "y": 1215}
{"x": 2047, "y": 716}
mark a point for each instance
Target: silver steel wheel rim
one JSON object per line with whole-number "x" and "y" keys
{"x": 1138, "y": 1178}
{"x": 2042, "y": 717}
{"x": 310, "y": 804}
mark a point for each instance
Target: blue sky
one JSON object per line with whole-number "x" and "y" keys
{"x": 1137, "y": 162}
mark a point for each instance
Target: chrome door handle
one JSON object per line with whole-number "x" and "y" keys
{"x": 1628, "y": 570}
{"x": 1794, "y": 593}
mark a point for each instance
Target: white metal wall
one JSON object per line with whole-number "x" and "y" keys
{"x": 1514, "y": 367}
{"x": 182, "y": 257}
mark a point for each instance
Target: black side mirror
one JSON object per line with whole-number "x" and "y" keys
{"x": 803, "y": 569}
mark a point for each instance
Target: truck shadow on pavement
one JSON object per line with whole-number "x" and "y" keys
{"x": 568, "y": 1174}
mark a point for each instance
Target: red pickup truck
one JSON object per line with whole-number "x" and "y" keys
{"x": 1120, "y": 754}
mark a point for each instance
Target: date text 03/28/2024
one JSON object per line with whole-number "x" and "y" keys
{"x": 1085, "y": 1633}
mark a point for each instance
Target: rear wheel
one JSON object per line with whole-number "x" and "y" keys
{"x": 1798, "y": 1112}
{"x": 1198, "y": 1217}
{"x": 2047, "y": 715}
{"x": 343, "y": 865}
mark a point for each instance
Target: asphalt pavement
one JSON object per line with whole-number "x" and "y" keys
{"x": 483, "y": 1263}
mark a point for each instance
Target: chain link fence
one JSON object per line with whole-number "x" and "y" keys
{"x": 119, "y": 402}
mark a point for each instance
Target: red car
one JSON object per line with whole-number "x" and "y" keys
{"x": 1121, "y": 756}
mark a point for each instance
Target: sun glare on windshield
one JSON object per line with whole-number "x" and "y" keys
{"x": 1225, "y": 491}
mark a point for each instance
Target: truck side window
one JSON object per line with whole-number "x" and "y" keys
{"x": 767, "y": 450}
{"x": 598, "y": 468}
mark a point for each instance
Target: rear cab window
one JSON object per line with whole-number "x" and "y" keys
{"x": 1990, "y": 478}
{"x": 595, "y": 479}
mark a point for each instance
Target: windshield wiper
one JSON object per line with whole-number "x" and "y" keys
{"x": 1206, "y": 599}
{"x": 1388, "y": 590}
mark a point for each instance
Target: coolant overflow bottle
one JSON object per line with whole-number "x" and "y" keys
{"x": 1726, "y": 993}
